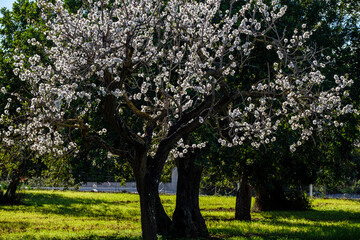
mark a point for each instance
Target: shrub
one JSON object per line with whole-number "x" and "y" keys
{"x": 297, "y": 199}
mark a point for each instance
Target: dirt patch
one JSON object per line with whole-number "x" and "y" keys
{"x": 124, "y": 202}
{"x": 320, "y": 204}
{"x": 220, "y": 209}
{"x": 220, "y": 219}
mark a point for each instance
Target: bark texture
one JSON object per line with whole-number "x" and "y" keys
{"x": 147, "y": 182}
{"x": 146, "y": 187}
{"x": 243, "y": 199}
{"x": 154, "y": 219}
{"x": 163, "y": 222}
{"x": 187, "y": 219}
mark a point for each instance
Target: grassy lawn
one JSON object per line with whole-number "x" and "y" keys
{"x": 79, "y": 215}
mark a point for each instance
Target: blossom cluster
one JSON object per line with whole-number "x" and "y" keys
{"x": 156, "y": 62}
{"x": 294, "y": 94}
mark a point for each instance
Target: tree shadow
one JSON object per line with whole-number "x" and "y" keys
{"x": 49, "y": 198}
{"x": 9, "y": 227}
{"x": 95, "y": 237}
{"x": 48, "y": 203}
{"x": 311, "y": 224}
{"x": 316, "y": 215}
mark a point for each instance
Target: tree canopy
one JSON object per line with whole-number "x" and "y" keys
{"x": 152, "y": 72}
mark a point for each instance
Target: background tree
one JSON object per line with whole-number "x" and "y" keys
{"x": 17, "y": 26}
{"x": 269, "y": 170}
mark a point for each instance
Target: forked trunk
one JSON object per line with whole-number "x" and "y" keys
{"x": 243, "y": 200}
{"x": 154, "y": 220}
{"x": 187, "y": 219}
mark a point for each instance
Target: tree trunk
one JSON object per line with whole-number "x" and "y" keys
{"x": 147, "y": 182}
{"x": 163, "y": 222}
{"x": 243, "y": 200}
{"x": 15, "y": 177}
{"x": 270, "y": 197}
{"x": 261, "y": 198}
{"x": 187, "y": 219}
{"x": 10, "y": 194}
{"x": 147, "y": 189}
{"x": 154, "y": 219}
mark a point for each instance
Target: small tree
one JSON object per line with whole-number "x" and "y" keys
{"x": 15, "y": 26}
{"x": 155, "y": 71}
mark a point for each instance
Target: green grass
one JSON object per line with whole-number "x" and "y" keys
{"x": 79, "y": 215}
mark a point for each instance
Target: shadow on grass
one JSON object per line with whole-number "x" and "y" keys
{"x": 50, "y": 198}
{"x": 312, "y": 224}
{"x": 49, "y": 203}
{"x": 310, "y": 215}
{"x": 90, "y": 237}
{"x": 316, "y": 215}
{"x": 9, "y": 227}
{"x": 94, "y": 237}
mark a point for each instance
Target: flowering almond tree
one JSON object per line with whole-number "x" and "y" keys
{"x": 155, "y": 71}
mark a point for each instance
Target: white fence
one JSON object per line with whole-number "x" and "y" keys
{"x": 169, "y": 187}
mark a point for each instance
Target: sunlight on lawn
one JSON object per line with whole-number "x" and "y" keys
{"x": 74, "y": 215}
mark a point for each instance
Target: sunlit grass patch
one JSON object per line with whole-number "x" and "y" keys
{"x": 329, "y": 219}
{"x": 79, "y": 215}
{"x": 71, "y": 215}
